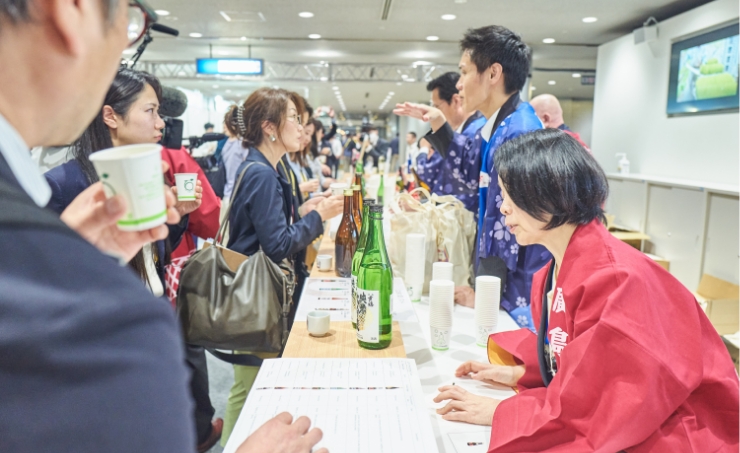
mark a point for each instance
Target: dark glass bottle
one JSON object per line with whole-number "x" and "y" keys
{"x": 360, "y": 175}
{"x": 358, "y": 255}
{"x": 346, "y": 239}
{"x": 357, "y": 207}
{"x": 374, "y": 287}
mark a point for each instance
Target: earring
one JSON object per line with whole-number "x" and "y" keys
{"x": 272, "y": 138}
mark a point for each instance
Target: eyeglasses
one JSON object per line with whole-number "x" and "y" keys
{"x": 140, "y": 17}
{"x": 295, "y": 119}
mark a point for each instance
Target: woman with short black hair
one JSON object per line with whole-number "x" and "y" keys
{"x": 624, "y": 358}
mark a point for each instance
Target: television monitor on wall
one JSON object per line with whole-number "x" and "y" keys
{"x": 704, "y": 73}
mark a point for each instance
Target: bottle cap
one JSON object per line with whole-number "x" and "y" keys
{"x": 348, "y": 192}
{"x": 368, "y": 201}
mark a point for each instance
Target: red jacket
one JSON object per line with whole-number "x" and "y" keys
{"x": 641, "y": 368}
{"x": 204, "y": 221}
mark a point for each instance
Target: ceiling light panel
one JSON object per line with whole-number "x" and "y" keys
{"x": 306, "y": 14}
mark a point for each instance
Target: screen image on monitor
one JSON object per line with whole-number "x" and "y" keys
{"x": 704, "y": 73}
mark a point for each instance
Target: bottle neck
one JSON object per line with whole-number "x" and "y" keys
{"x": 348, "y": 205}
{"x": 375, "y": 237}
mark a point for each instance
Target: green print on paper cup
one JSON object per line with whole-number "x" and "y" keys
{"x": 186, "y": 185}
{"x": 135, "y": 172}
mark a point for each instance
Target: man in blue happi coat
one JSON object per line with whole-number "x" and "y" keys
{"x": 493, "y": 69}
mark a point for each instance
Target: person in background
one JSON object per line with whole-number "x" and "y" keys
{"x": 607, "y": 370}
{"x": 337, "y": 150}
{"x": 446, "y": 98}
{"x": 493, "y": 68}
{"x": 378, "y": 146}
{"x": 321, "y": 157}
{"x": 412, "y": 149}
{"x": 548, "y": 110}
{"x": 129, "y": 116}
{"x": 234, "y": 152}
{"x": 299, "y": 162}
{"x": 208, "y": 127}
{"x": 265, "y": 214}
{"x": 394, "y": 154}
{"x": 350, "y": 147}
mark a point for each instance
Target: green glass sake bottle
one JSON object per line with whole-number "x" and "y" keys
{"x": 374, "y": 287}
{"x": 381, "y": 190}
{"x": 360, "y": 175}
{"x": 358, "y": 256}
{"x": 346, "y": 239}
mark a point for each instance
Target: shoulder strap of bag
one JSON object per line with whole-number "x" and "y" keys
{"x": 224, "y": 226}
{"x": 236, "y": 359}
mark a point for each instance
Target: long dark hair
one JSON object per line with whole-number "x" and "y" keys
{"x": 123, "y": 92}
{"x": 315, "y": 145}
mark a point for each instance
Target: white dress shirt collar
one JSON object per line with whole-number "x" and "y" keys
{"x": 487, "y": 129}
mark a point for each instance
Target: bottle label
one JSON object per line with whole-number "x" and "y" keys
{"x": 368, "y": 316}
{"x": 354, "y": 299}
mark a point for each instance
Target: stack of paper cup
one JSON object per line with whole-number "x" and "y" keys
{"x": 442, "y": 271}
{"x": 414, "y": 276}
{"x": 487, "y": 302}
{"x": 441, "y": 301}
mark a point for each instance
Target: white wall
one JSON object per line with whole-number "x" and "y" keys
{"x": 578, "y": 115}
{"x": 630, "y": 105}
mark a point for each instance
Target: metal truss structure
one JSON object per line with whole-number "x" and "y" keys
{"x": 308, "y": 72}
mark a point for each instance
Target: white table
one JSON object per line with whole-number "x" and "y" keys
{"x": 437, "y": 368}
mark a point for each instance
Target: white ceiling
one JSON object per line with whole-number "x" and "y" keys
{"x": 352, "y": 31}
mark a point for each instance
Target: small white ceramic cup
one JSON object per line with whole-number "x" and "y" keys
{"x": 324, "y": 262}
{"x": 318, "y": 323}
{"x": 186, "y": 183}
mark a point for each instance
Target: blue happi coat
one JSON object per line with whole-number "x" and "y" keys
{"x": 456, "y": 172}
{"x": 494, "y": 239}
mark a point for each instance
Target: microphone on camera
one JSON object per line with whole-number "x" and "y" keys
{"x": 165, "y": 29}
{"x": 174, "y": 102}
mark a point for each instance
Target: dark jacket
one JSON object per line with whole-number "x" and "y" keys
{"x": 67, "y": 181}
{"x": 91, "y": 361}
{"x": 262, "y": 213}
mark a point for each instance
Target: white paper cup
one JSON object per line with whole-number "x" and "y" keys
{"x": 318, "y": 323}
{"x": 440, "y": 338}
{"x": 487, "y": 303}
{"x": 323, "y": 262}
{"x": 441, "y": 302}
{"x": 134, "y": 171}
{"x": 442, "y": 271}
{"x": 186, "y": 183}
{"x": 337, "y": 188}
{"x": 483, "y": 333}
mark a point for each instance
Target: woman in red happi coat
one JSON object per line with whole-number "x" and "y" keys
{"x": 624, "y": 358}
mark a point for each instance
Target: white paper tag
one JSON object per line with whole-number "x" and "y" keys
{"x": 353, "y": 310}
{"x": 368, "y": 316}
{"x": 484, "y": 180}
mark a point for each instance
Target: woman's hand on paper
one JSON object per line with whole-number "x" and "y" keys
{"x": 465, "y": 407}
{"x": 490, "y": 373}
{"x": 282, "y": 435}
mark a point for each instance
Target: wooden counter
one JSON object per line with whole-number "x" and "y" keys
{"x": 341, "y": 341}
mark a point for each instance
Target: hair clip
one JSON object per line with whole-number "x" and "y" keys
{"x": 240, "y": 120}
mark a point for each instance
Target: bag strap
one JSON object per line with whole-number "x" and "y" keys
{"x": 222, "y": 229}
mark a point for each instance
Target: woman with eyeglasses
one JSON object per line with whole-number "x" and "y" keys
{"x": 266, "y": 207}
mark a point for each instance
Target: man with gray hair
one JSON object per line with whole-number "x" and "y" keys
{"x": 91, "y": 361}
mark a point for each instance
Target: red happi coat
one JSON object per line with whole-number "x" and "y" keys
{"x": 641, "y": 369}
